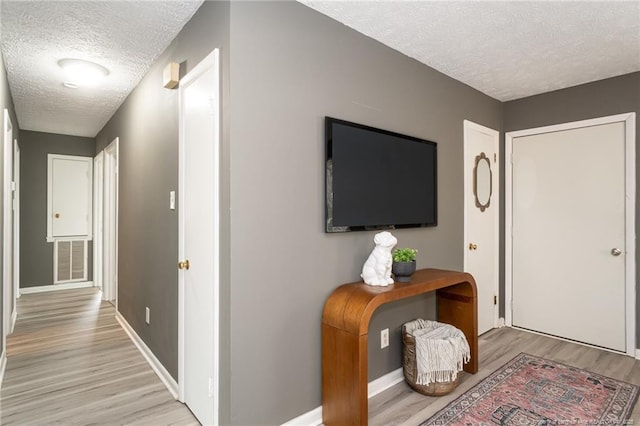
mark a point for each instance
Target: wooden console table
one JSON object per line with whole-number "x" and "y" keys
{"x": 345, "y": 328}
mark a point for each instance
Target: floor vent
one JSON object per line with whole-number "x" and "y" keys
{"x": 70, "y": 261}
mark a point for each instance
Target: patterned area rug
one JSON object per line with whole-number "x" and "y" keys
{"x": 535, "y": 391}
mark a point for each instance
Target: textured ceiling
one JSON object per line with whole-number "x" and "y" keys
{"x": 123, "y": 36}
{"x": 505, "y": 49}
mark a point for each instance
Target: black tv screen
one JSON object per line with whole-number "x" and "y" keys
{"x": 377, "y": 179}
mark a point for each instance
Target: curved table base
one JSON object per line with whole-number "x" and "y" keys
{"x": 345, "y": 325}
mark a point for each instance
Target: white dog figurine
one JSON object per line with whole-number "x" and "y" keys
{"x": 377, "y": 269}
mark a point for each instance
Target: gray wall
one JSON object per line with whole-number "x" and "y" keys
{"x": 290, "y": 67}
{"x": 5, "y": 102}
{"x": 36, "y": 254}
{"x": 606, "y": 97}
{"x": 147, "y": 125}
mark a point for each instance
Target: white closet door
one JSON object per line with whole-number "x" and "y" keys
{"x": 569, "y": 234}
{"x": 70, "y": 196}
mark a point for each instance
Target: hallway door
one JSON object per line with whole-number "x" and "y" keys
{"x": 199, "y": 238}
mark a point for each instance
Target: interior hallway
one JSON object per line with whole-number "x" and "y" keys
{"x": 70, "y": 362}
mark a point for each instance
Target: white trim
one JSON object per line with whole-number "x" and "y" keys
{"x": 379, "y": 385}
{"x": 467, "y": 126}
{"x": 637, "y": 353}
{"x": 508, "y": 227}
{"x": 310, "y": 418}
{"x": 14, "y": 318}
{"x": 110, "y": 260}
{"x": 3, "y": 365}
{"x": 630, "y": 226}
{"x": 56, "y": 287}
{"x": 16, "y": 219}
{"x": 211, "y": 61}
{"x": 501, "y": 323}
{"x": 98, "y": 219}
{"x": 630, "y": 192}
{"x": 7, "y": 227}
{"x": 148, "y": 355}
{"x": 383, "y": 383}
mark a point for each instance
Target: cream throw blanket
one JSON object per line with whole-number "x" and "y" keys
{"x": 440, "y": 351}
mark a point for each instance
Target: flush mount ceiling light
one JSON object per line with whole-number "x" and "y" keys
{"x": 82, "y": 73}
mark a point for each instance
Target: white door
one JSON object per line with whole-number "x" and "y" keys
{"x": 7, "y": 227}
{"x": 481, "y": 210}
{"x": 98, "y": 216}
{"x": 69, "y": 198}
{"x": 110, "y": 223}
{"x": 198, "y": 238}
{"x": 569, "y": 248}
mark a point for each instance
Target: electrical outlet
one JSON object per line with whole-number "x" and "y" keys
{"x": 147, "y": 314}
{"x": 384, "y": 338}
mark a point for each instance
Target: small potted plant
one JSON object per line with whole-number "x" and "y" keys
{"x": 404, "y": 264}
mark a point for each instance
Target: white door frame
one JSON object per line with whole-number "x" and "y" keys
{"x": 7, "y": 229}
{"x": 110, "y": 218}
{"x": 469, "y": 125}
{"x": 98, "y": 212}
{"x": 629, "y": 120}
{"x": 16, "y": 219}
{"x": 212, "y": 60}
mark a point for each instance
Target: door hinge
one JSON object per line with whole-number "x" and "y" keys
{"x": 495, "y": 300}
{"x": 495, "y": 158}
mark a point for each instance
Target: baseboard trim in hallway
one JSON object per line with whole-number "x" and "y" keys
{"x": 55, "y": 287}
{"x": 3, "y": 365}
{"x": 156, "y": 365}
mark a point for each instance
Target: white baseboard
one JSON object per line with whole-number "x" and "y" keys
{"x": 14, "y": 317}
{"x": 637, "y": 353}
{"x": 314, "y": 417}
{"x": 3, "y": 366}
{"x": 55, "y": 287}
{"x": 158, "y": 368}
{"x": 501, "y": 322}
{"x": 383, "y": 383}
{"x": 310, "y": 418}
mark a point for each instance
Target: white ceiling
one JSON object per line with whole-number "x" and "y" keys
{"x": 123, "y": 36}
{"x": 505, "y": 49}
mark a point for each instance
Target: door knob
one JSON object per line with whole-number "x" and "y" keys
{"x": 184, "y": 264}
{"x": 616, "y": 251}
{"x": 472, "y": 246}
{"x": 57, "y": 215}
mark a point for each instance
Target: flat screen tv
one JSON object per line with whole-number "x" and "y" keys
{"x": 377, "y": 179}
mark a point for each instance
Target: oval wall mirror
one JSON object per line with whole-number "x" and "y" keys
{"x": 482, "y": 182}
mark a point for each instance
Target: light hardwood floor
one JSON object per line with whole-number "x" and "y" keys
{"x": 399, "y": 405}
{"x": 70, "y": 363}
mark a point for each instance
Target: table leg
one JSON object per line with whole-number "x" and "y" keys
{"x": 458, "y": 305}
{"x": 344, "y": 378}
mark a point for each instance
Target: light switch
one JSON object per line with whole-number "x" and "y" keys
{"x": 172, "y": 200}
